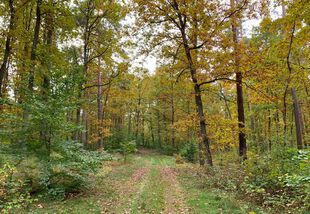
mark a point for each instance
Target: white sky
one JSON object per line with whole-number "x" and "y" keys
{"x": 150, "y": 62}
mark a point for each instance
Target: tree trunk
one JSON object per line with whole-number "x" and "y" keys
{"x": 35, "y": 43}
{"x": 76, "y": 135}
{"x": 138, "y": 116}
{"x": 198, "y": 100}
{"x": 158, "y": 129}
{"x": 298, "y": 124}
{"x": 172, "y": 116}
{"x": 46, "y": 134}
{"x": 7, "y": 50}
{"x": 129, "y": 125}
{"x": 85, "y": 128}
{"x": 100, "y": 109}
{"x": 199, "y": 106}
{"x": 241, "y": 117}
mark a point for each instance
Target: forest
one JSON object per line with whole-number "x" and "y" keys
{"x": 155, "y": 106}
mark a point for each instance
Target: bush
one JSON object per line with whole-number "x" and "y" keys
{"x": 280, "y": 179}
{"x": 168, "y": 150}
{"x": 13, "y": 191}
{"x": 190, "y": 152}
{"x": 128, "y": 147}
{"x": 69, "y": 168}
{"x": 66, "y": 170}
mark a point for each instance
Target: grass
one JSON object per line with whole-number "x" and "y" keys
{"x": 143, "y": 185}
{"x": 151, "y": 198}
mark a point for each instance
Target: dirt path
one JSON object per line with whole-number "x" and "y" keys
{"x": 174, "y": 196}
{"x": 148, "y": 184}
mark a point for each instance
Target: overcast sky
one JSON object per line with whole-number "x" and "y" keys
{"x": 150, "y": 61}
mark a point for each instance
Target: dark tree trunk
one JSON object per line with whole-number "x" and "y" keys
{"x": 199, "y": 106}
{"x": 46, "y": 134}
{"x": 129, "y": 125}
{"x": 298, "y": 123}
{"x": 76, "y": 135}
{"x": 198, "y": 100}
{"x": 269, "y": 131}
{"x": 158, "y": 129}
{"x": 7, "y": 50}
{"x": 172, "y": 116}
{"x": 138, "y": 116}
{"x": 152, "y": 130}
{"x": 100, "y": 109}
{"x": 241, "y": 117}
{"x": 35, "y": 43}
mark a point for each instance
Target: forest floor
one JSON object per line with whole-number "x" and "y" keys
{"x": 147, "y": 183}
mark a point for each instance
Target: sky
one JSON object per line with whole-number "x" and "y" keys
{"x": 150, "y": 62}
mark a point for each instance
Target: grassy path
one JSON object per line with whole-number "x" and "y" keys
{"x": 148, "y": 183}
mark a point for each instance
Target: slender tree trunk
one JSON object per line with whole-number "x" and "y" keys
{"x": 85, "y": 128}
{"x": 277, "y": 122}
{"x": 76, "y": 135}
{"x": 252, "y": 122}
{"x": 158, "y": 129}
{"x": 49, "y": 31}
{"x": 138, "y": 117}
{"x": 142, "y": 131}
{"x": 240, "y": 102}
{"x": 198, "y": 100}
{"x": 228, "y": 112}
{"x": 99, "y": 104}
{"x": 35, "y": 43}
{"x": 284, "y": 117}
{"x": 7, "y": 50}
{"x": 172, "y": 116}
{"x": 298, "y": 124}
{"x": 269, "y": 131}
{"x": 85, "y": 71}
{"x": 199, "y": 106}
{"x": 152, "y": 130}
{"x": 129, "y": 125}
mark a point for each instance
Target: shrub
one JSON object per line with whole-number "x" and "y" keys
{"x": 128, "y": 147}
{"x": 13, "y": 191}
{"x": 189, "y": 152}
{"x": 168, "y": 150}
{"x": 69, "y": 167}
{"x": 65, "y": 170}
{"x": 280, "y": 179}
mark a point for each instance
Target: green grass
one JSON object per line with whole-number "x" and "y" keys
{"x": 79, "y": 205}
{"x": 151, "y": 199}
{"x": 212, "y": 201}
{"x": 115, "y": 191}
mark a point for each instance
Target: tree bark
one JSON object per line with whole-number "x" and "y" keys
{"x": 8, "y": 46}
{"x": 99, "y": 104}
{"x": 198, "y": 100}
{"x": 172, "y": 115}
{"x": 46, "y": 134}
{"x": 239, "y": 77}
{"x": 298, "y": 122}
{"x": 203, "y": 138}
{"x": 35, "y": 43}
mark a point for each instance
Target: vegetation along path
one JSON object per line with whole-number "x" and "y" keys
{"x": 147, "y": 183}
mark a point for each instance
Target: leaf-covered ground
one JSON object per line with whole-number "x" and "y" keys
{"x": 147, "y": 183}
